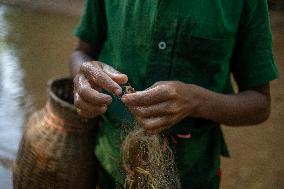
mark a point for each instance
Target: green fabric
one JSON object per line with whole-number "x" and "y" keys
{"x": 205, "y": 41}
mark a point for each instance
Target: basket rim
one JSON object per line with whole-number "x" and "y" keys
{"x": 55, "y": 97}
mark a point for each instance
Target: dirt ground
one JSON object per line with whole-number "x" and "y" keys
{"x": 67, "y": 7}
{"x": 257, "y": 154}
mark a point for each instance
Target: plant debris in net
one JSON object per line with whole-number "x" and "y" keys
{"x": 147, "y": 164}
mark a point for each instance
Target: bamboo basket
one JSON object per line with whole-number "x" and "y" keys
{"x": 57, "y": 148}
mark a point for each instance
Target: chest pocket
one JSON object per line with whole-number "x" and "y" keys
{"x": 200, "y": 49}
{"x": 195, "y": 44}
{"x": 201, "y": 59}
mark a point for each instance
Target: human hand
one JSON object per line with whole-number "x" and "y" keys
{"x": 162, "y": 105}
{"x": 91, "y": 79}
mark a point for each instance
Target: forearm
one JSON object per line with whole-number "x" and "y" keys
{"x": 78, "y": 57}
{"x": 83, "y": 52}
{"x": 249, "y": 107}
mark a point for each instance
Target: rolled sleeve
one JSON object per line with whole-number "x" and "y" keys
{"x": 253, "y": 62}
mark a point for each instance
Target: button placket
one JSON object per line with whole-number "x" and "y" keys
{"x": 160, "y": 57}
{"x": 160, "y": 54}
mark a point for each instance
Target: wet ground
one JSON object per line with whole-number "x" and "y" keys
{"x": 35, "y": 46}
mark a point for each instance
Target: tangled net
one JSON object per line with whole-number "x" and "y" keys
{"x": 146, "y": 163}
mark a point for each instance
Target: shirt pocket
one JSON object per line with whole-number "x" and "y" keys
{"x": 201, "y": 49}
{"x": 200, "y": 59}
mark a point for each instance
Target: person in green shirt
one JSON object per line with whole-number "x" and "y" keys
{"x": 179, "y": 56}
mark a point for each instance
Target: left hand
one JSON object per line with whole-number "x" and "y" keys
{"x": 162, "y": 105}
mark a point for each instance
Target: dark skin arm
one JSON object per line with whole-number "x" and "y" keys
{"x": 248, "y": 107}
{"x": 83, "y": 52}
{"x": 166, "y": 102}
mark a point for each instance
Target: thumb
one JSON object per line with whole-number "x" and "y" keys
{"x": 115, "y": 75}
{"x": 156, "y": 84}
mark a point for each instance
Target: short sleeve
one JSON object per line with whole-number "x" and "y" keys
{"x": 92, "y": 26}
{"x": 253, "y": 63}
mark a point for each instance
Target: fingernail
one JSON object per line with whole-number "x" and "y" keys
{"x": 117, "y": 92}
{"x": 123, "y": 99}
{"x": 125, "y": 76}
{"x": 108, "y": 101}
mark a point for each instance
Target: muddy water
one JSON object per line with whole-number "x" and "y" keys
{"x": 34, "y": 46}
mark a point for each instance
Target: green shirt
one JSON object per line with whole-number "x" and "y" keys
{"x": 201, "y": 42}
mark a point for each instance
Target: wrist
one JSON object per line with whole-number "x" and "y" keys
{"x": 196, "y": 100}
{"x": 77, "y": 59}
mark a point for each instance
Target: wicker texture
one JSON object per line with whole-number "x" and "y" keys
{"x": 57, "y": 148}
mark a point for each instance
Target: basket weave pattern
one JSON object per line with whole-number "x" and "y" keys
{"x": 57, "y": 148}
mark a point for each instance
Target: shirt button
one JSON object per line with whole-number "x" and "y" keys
{"x": 162, "y": 45}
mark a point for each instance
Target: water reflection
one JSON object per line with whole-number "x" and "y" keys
{"x": 34, "y": 47}
{"x": 11, "y": 92}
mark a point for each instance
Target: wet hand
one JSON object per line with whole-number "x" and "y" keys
{"x": 162, "y": 105}
{"x": 91, "y": 79}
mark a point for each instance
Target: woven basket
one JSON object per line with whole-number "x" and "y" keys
{"x": 57, "y": 148}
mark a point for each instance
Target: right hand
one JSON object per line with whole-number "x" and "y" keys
{"x": 91, "y": 79}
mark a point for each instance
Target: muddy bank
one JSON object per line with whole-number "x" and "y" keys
{"x": 67, "y": 7}
{"x": 276, "y": 4}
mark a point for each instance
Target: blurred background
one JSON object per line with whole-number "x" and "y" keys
{"x": 35, "y": 43}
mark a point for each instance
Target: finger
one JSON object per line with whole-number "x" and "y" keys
{"x": 118, "y": 77}
{"x": 87, "y": 114}
{"x": 76, "y": 82}
{"x": 94, "y": 97}
{"x": 155, "y": 131}
{"x": 154, "y": 123}
{"x": 87, "y": 107}
{"x": 98, "y": 77}
{"x": 147, "y": 97}
{"x": 160, "y": 109}
{"x": 158, "y": 83}
{"x": 80, "y": 81}
{"x": 83, "y": 88}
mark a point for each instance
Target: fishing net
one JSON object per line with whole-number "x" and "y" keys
{"x": 148, "y": 161}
